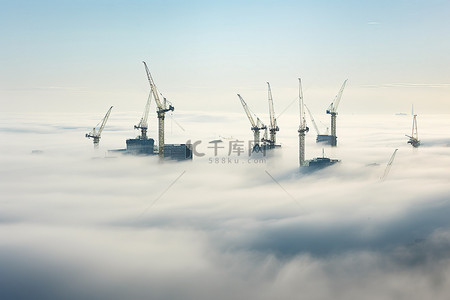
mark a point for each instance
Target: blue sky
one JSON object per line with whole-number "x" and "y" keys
{"x": 86, "y": 55}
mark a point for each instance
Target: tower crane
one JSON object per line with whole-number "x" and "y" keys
{"x": 143, "y": 123}
{"x": 303, "y": 129}
{"x": 161, "y": 111}
{"x": 414, "y": 137}
{"x": 96, "y": 133}
{"x": 273, "y": 121}
{"x": 332, "y": 110}
{"x": 318, "y": 162}
{"x": 256, "y": 126}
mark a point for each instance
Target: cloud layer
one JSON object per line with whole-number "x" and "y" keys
{"x": 78, "y": 224}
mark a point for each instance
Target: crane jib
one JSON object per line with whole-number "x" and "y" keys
{"x": 273, "y": 121}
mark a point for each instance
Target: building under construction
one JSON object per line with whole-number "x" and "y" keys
{"x": 147, "y": 147}
{"x": 265, "y": 142}
{"x": 143, "y": 145}
{"x": 330, "y": 139}
{"x": 321, "y": 162}
{"x": 318, "y": 162}
{"x": 178, "y": 151}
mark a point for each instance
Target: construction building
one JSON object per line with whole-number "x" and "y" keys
{"x": 318, "y": 162}
{"x": 142, "y": 144}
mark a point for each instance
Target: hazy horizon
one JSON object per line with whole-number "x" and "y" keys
{"x": 83, "y": 56}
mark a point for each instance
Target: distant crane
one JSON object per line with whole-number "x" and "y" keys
{"x": 273, "y": 121}
{"x": 96, "y": 133}
{"x": 332, "y": 110}
{"x": 388, "y": 167}
{"x": 302, "y": 128}
{"x": 256, "y": 126}
{"x": 143, "y": 123}
{"x": 161, "y": 111}
{"x": 414, "y": 137}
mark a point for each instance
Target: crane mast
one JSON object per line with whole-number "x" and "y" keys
{"x": 303, "y": 129}
{"x": 143, "y": 123}
{"x": 96, "y": 133}
{"x": 332, "y": 110}
{"x": 273, "y": 121}
{"x": 161, "y": 111}
{"x": 414, "y": 133}
{"x": 264, "y": 139}
{"x": 414, "y": 138}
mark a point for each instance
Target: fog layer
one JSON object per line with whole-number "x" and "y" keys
{"x": 76, "y": 223}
